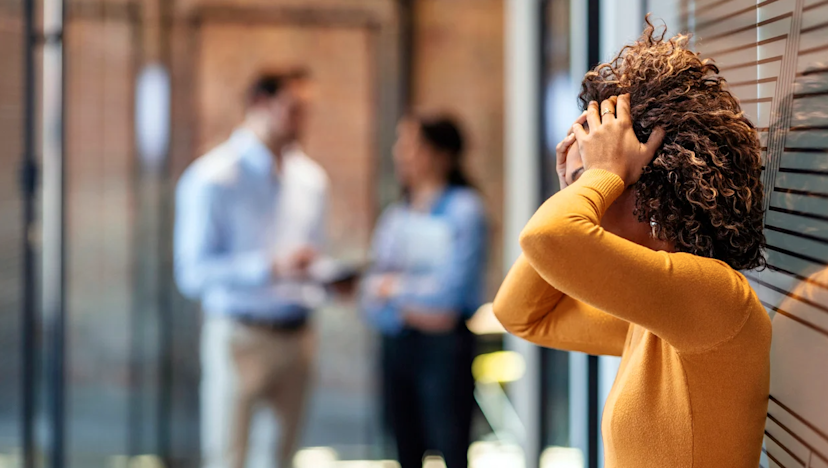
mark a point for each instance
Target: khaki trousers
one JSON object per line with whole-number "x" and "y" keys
{"x": 252, "y": 377}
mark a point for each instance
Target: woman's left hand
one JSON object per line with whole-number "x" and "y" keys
{"x": 611, "y": 143}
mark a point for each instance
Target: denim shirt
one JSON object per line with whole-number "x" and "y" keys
{"x": 439, "y": 258}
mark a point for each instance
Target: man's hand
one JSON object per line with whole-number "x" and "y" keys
{"x": 611, "y": 143}
{"x": 302, "y": 259}
{"x": 297, "y": 265}
{"x": 345, "y": 289}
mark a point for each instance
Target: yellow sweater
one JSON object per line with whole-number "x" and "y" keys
{"x": 692, "y": 390}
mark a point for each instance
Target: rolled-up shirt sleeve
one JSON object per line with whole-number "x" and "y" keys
{"x": 381, "y": 313}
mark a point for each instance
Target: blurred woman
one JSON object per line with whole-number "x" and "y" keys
{"x": 429, "y": 253}
{"x": 637, "y": 256}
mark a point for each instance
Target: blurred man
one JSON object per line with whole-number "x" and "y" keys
{"x": 249, "y": 226}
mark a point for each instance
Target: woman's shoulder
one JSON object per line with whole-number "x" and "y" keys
{"x": 465, "y": 201}
{"x": 391, "y": 211}
{"x": 736, "y": 316}
{"x": 716, "y": 279}
{"x": 732, "y": 287}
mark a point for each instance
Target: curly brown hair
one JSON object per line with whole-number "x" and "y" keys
{"x": 703, "y": 190}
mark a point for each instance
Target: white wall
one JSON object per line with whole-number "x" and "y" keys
{"x": 522, "y": 187}
{"x": 578, "y": 383}
{"x": 621, "y": 23}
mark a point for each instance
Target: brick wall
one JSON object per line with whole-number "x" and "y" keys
{"x": 118, "y": 217}
{"x": 343, "y": 43}
{"x": 341, "y": 128}
{"x": 101, "y": 227}
{"x": 458, "y": 67}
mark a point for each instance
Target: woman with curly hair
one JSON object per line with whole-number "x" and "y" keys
{"x": 637, "y": 256}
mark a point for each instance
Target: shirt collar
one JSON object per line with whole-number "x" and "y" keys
{"x": 253, "y": 151}
{"x": 437, "y": 205}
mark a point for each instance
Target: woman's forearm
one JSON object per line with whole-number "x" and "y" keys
{"x": 677, "y": 296}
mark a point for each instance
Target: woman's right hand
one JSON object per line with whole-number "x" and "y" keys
{"x": 387, "y": 286}
{"x": 563, "y": 148}
{"x": 611, "y": 144}
{"x": 430, "y": 322}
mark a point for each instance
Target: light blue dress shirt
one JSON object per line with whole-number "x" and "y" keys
{"x": 439, "y": 257}
{"x": 235, "y": 214}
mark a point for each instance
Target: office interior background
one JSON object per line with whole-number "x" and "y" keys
{"x": 103, "y": 103}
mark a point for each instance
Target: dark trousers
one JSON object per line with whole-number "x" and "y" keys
{"x": 428, "y": 394}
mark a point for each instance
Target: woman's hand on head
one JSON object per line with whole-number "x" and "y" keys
{"x": 611, "y": 144}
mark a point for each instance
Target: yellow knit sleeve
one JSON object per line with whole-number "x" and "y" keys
{"x": 530, "y": 308}
{"x": 692, "y": 302}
